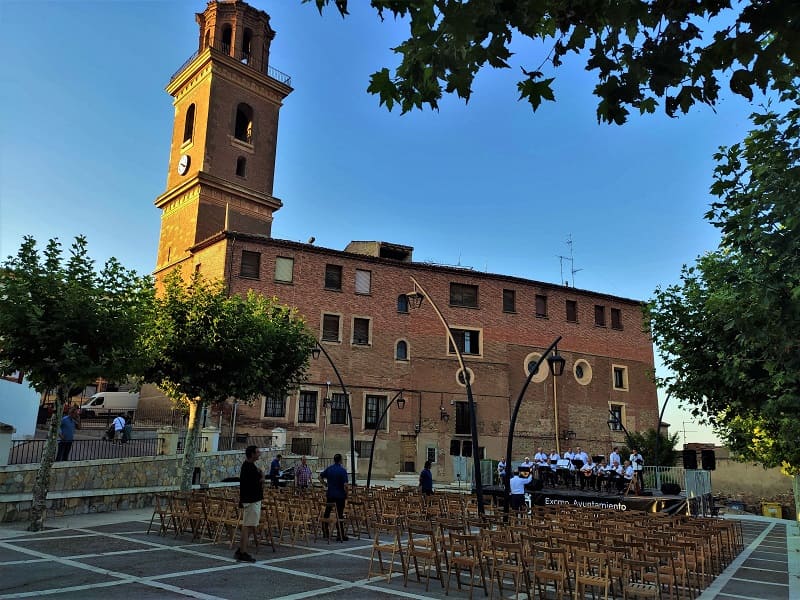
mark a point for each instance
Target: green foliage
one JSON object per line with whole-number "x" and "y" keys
{"x": 63, "y": 323}
{"x": 641, "y": 50}
{"x": 207, "y": 346}
{"x": 645, "y": 442}
{"x": 731, "y": 330}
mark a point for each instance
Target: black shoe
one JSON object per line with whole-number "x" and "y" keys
{"x": 238, "y": 554}
{"x": 245, "y": 557}
{"x": 342, "y": 539}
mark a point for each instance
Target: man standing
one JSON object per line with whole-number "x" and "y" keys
{"x": 517, "y": 485}
{"x": 66, "y": 432}
{"x": 275, "y": 470}
{"x": 426, "y": 480}
{"x": 119, "y": 426}
{"x": 335, "y": 477}
{"x": 637, "y": 462}
{"x": 302, "y": 474}
{"x": 501, "y": 471}
{"x": 251, "y": 492}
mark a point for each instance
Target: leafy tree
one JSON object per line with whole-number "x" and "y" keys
{"x": 730, "y": 331}
{"x": 642, "y": 50}
{"x": 207, "y": 346}
{"x": 645, "y": 442}
{"x": 65, "y": 324}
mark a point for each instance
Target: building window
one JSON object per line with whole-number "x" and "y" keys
{"x": 301, "y": 446}
{"x": 375, "y": 406}
{"x": 251, "y": 265}
{"x": 333, "y": 277}
{"x": 401, "y": 350}
{"x": 227, "y": 35}
{"x": 430, "y": 454}
{"x": 599, "y": 315}
{"x": 468, "y": 341}
{"x": 541, "y": 305}
{"x": 284, "y": 269}
{"x": 463, "y": 426}
{"x": 307, "y": 407}
{"x": 541, "y": 372}
{"x": 363, "y": 281}
{"x": 616, "y": 318}
{"x": 582, "y": 371}
{"x": 241, "y": 166}
{"x": 572, "y": 311}
{"x": 247, "y": 40}
{"x": 509, "y": 301}
{"x": 361, "y": 331}
{"x": 616, "y": 419}
{"x": 330, "y": 328}
{"x": 243, "y": 130}
{"x": 462, "y": 294}
{"x": 402, "y": 303}
{"x": 338, "y": 409}
{"x": 620, "y": 375}
{"x": 275, "y": 406}
{"x": 188, "y": 125}
{"x": 363, "y": 448}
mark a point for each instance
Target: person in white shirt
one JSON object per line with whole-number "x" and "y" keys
{"x": 627, "y": 476}
{"x": 601, "y": 469}
{"x": 517, "y": 495}
{"x": 581, "y": 455}
{"x": 119, "y": 426}
{"x": 540, "y": 458}
{"x": 527, "y": 464}
{"x": 587, "y": 474}
{"x": 637, "y": 460}
{"x": 501, "y": 471}
{"x": 614, "y": 457}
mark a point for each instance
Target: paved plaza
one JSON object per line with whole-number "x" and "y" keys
{"x": 110, "y": 555}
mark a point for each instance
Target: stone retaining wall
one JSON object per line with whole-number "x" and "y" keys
{"x": 84, "y": 486}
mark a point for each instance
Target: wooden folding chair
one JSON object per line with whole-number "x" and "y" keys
{"x": 387, "y": 540}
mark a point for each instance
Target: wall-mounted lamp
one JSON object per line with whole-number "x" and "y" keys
{"x": 415, "y": 298}
{"x": 417, "y": 429}
{"x": 556, "y": 362}
{"x": 443, "y": 415}
{"x": 568, "y": 434}
{"x": 315, "y": 352}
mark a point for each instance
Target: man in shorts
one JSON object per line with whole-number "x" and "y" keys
{"x": 251, "y": 492}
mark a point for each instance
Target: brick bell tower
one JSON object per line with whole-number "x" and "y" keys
{"x": 222, "y": 156}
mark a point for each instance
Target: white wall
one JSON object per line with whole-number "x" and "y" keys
{"x": 19, "y": 404}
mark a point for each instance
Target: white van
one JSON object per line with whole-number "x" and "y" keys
{"x": 104, "y": 403}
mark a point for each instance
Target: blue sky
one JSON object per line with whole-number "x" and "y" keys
{"x": 86, "y": 129}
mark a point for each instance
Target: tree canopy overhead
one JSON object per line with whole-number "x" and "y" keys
{"x": 674, "y": 53}
{"x": 730, "y": 331}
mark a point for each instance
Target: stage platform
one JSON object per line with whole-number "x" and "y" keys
{"x": 590, "y": 499}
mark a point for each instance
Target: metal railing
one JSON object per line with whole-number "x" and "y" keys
{"x": 243, "y": 57}
{"x": 31, "y": 451}
{"x": 655, "y": 477}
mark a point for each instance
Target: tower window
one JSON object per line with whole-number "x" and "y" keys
{"x": 251, "y": 265}
{"x": 244, "y": 123}
{"x": 188, "y": 126}
{"x": 227, "y": 34}
{"x": 402, "y": 303}
{"x": 247, "y": 41}
{"x": 241, "y": 166}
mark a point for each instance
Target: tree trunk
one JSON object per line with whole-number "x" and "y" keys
{"x": 189, "y": 447}
{"x": 42, "y": 485}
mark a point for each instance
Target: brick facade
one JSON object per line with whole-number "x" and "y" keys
{"x": 213, "y": 242}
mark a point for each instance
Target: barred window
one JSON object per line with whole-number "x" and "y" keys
{"x": 572, "y": 311}
{"x": 374, "y": 409}
{"x": 509, "y": 301}
{"x": 338, "y": 409}
{"x": 330, "y": 328}
{"x": 275, "y": 406}
{"x": 307, "y": 408}
{"x": 333, "y": 277}
{"x": 541, "y": 305}
{"x": 361, "y": 331}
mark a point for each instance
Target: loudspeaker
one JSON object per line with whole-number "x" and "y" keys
{"x": 708, "y": 459}
{"x": 690, "y": 459}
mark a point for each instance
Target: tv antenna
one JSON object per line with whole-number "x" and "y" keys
{"x": 571, "y": 259}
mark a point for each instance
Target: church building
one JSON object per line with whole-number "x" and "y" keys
{"x": 216, "y": 218}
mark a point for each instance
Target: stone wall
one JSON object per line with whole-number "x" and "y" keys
{"x": 85, "y": 486}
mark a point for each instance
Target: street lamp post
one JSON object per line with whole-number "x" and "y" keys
{"x": 315, "y": 353}
{"x": 418, "y": 295}
{"x": 556, "y": 363}
{"x": 615, "y": 420}
{"x": 401, "y": 402}
{"x": 657, "y": 458}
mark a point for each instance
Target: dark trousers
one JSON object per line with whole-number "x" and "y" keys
{"x": 63, "y": 450}
{"x": 339, "y": 502}
{"x": 517, "y": 501}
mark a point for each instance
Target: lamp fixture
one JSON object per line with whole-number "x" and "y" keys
{"x": 415, "y": 298}
{"x": 443, "y": 414}
{"x": 401, "y": 402}
{"x": 315, "y": 352}
{"x": 556, "y": 363}
{"x": 568, "y": 434}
